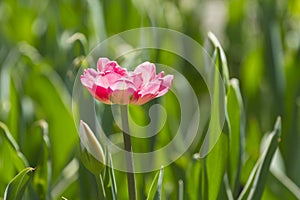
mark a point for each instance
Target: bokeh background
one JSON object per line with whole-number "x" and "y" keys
{"x": 42, "y": 45}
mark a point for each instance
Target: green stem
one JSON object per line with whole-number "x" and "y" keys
{"x": 101, "y": 191}
{"x": 129, "y": 157}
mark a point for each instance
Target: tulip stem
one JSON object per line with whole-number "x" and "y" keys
{"x": 129, "y": 156}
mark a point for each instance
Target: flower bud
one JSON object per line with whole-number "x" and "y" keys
{"x": 91, "y": 153}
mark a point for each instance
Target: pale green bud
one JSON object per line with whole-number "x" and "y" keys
{"x": 91, "y": 153}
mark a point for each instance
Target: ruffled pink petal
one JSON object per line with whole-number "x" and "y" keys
{"x": 165, "y": 85}
{"x": 136, "y": 79}
{"x": 147, "y": 70}
{"x": 146, "y": 93}
{"x": 101, "y": 64}
{"x": 107, "y": 79}
{"x": 101, "y": 94}
{"x": 88, "y": 77}
{"x": 160, "y": 75}
{"x": 151, "y": 88}
{"x": 143, "y": 100}
{"x": 122, "y": 92}
{"x": 104, "y": 65}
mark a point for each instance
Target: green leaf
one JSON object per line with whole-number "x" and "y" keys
{"x": 68, "y": 176}
{"x": 11, "y": 158}
{"x": 101, "y": 187}
{"x": 255, "y": 185}
{"x": 14, "y": 112}
{"x": 220, "y": 58}
{"x": 156, "y": 186}
{"x": 216, "y": 163}
{"x": 279, "y": 186}
{"x": 16, "y": 188}
{"x": 42, "y": 178}
{"x": 110, "y": 185}
{"x": 236, "y": 120}
{"x": 216, "y": 141}
{"x": 227, "y": 188}
{"x": 51, "y": 100}
{"x": 97, "y": 18}
{"x": 193, "y": 178}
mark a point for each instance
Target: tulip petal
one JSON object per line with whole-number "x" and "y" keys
{"x": 101, "y": 64}
{"x": 88, "y": 77}
{"x": 105, "y": 65}
{"x": 122, "y": 92}
{"x": 165, "y": 85}
{"x": 147, "y": 70}
{"x": 144, "y": 99}
{"x": 100, "y": 93}
{"x": 136, "y": 79}
{"x": 151, "y": 88}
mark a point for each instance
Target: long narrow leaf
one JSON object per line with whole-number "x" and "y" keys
{"x": 22, "y": 162}
{"x": 193, "y": 178}
{"x": 156, "y": 186}
{"x": 42, "y": 178}
{"x": 53, "y": 100}
{"x": 255, "y": 184}
{"x": 16, "y": 188}
{"x": 109, "y": 181}
{"x": 237, "y": 131}
{"x": 286, "y": 185}
{"x": 14, "y": 160}
{"x": 220, "y": 58}
{"x": 216, "y": 163}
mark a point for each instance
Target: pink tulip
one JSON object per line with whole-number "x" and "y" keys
{"x": 112, "y": 84}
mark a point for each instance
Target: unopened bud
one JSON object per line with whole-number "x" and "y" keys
{"x": 92, "y": 154}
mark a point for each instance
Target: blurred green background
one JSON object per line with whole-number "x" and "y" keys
{"x": 42, "y": 44}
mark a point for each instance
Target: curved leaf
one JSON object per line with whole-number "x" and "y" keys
{"x": 52, "y": 99}
{"x": 16, "y": 188}
{"x": 11, "y": 158}
{"x": 156, "y": 186}
{"x": 255, "y": 184}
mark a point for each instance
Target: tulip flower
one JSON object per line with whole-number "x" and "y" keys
{"x": 112, "y": 84}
